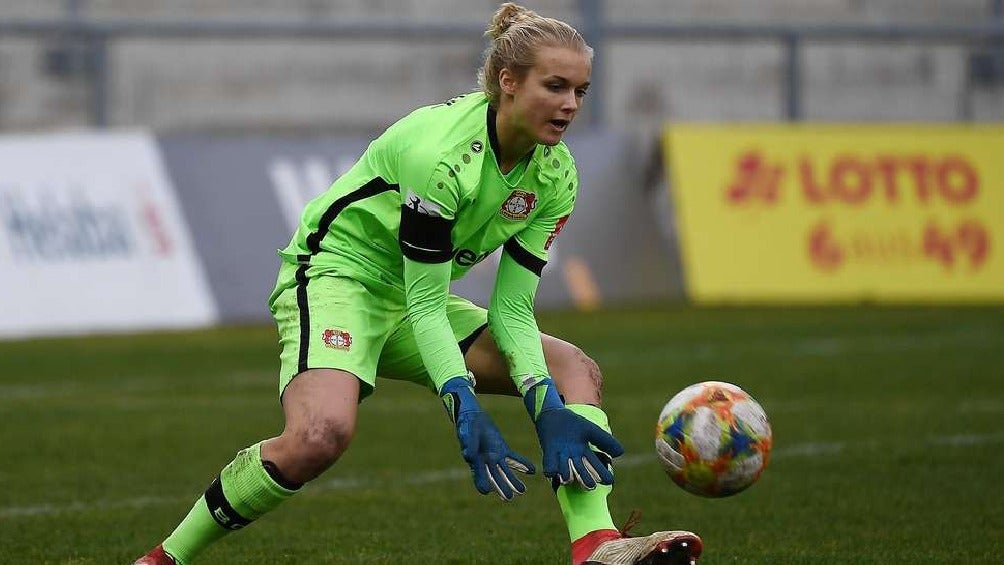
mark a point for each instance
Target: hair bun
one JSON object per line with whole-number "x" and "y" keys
{"x": 505, "y": 17}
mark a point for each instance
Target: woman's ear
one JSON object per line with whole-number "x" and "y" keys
{"x": 507, "y": 82}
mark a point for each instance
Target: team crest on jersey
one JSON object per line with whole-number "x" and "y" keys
{"x": 477, "y": 146}
{"x": 337, "y": 339}
{"x": 519, "y": 205}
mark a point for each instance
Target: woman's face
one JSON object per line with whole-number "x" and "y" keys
{"x": 546, "y": 101}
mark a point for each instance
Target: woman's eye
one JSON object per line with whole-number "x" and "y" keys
{"x": 580, "y": 92}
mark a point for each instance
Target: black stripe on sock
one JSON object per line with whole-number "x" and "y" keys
{"x": 221, "y": 510}
{"x": 301, "y": 304}
{"x": 273, "y": 471}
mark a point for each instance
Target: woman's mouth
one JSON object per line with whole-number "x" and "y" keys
{"x": 559, "y": 124}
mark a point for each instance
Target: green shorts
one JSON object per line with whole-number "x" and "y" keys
{"x": 341, "y": 323}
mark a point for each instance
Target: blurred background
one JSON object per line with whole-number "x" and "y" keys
{"x": 232, "y": 114}
{"x": 744, "y": 165}
{"x": 310, "y": 66}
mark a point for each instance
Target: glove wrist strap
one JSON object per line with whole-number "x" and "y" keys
{"x": 458, "y": 396}
{"x": 541, "y": 397}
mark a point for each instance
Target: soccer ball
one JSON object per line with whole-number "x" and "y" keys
{"x": 713, "y": 439}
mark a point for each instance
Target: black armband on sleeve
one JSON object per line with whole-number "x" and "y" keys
{"x": 425, "y": 238}
{"x": 524, "y": 258}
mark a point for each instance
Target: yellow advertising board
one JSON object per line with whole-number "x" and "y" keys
{"x": 839, "y": 212}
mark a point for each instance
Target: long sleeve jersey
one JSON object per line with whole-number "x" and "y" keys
{"x": 426, "y": 202}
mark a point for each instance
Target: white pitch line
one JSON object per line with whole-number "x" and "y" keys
{"x": 809, "y": 449}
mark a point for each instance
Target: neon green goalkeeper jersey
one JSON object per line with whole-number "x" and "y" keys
{"x": 425, "y": 203}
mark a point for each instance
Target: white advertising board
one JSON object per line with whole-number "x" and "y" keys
{"x": 92, "y": 239}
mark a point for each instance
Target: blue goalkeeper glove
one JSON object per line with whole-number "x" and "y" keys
{"x": 565, "y": 439}
{"x": 481, "y": 444}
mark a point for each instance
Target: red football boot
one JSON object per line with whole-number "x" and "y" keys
{"x": 157, "y": 556}
{"x": 613, "y": 547}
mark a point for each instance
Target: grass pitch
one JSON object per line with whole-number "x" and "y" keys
{"x": 889, "y": 446}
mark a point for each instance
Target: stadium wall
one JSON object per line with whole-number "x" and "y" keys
{"x": 127, "y": 231}
{"x": 130, "y": 231}
{"x": 225, "y": 83}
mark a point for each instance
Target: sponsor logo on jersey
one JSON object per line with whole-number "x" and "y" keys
{"x": 557, "y": 229}
{"x": 468, "y": 258}
{"x": 422, "y": 205}
{"x": 519, "y": 205}
{"x": 337, "y": 339}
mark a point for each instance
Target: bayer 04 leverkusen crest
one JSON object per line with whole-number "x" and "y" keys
{"x": 519, "y": 205}
{"x": 337, "y": 339}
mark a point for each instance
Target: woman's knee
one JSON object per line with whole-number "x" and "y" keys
{"x": 577, "y": 375}
{"x": 315, "y": 446}
{"x": 324, "y": 440}
{"x": 320, "y": 407}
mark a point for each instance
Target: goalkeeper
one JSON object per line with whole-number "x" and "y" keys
{"x": 363, "y": 290}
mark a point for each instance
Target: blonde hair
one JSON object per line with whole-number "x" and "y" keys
{"x": 516, "y": 33}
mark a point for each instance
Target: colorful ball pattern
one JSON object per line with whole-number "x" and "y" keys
{"x": 713, "y": 439}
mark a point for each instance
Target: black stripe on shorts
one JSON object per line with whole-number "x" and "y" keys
{"x": 372, "y": 188}
{"x": 301, "y": 304}
{"x": 468, "y": 341}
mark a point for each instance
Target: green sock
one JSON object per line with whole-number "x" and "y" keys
{"x": 586, "y": 510}
{"x": 242, "y": 493}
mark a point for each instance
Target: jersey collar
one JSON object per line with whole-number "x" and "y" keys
{"x": 493, "y": 134}
{"x": 493, "y": 141}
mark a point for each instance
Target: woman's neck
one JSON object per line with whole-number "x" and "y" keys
{"x": 513, "y": 146}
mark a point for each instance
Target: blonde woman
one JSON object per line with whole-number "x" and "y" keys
{"x": 363, "y": 290}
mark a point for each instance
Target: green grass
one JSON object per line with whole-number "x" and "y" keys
{"x": 889, "y": 444}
